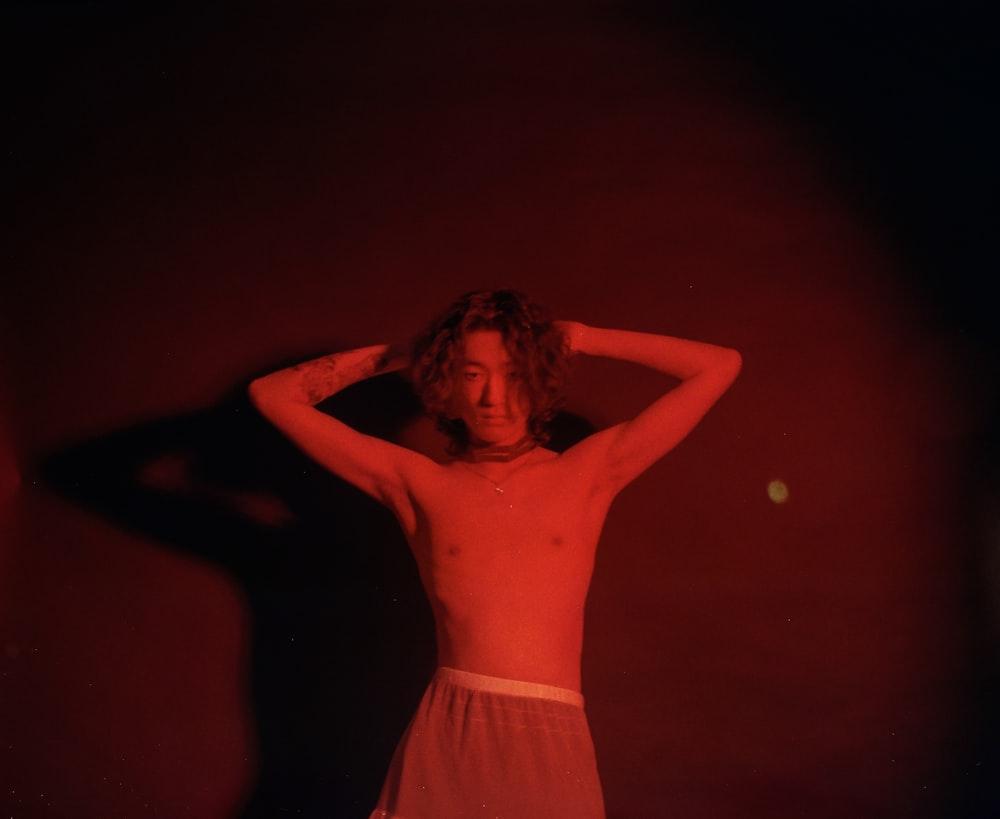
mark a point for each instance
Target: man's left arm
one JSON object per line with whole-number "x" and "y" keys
{"x": 705, "y": 371}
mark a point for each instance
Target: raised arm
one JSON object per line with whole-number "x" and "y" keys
{"x": 288, "y": 397}
{"x": 705, "y": 370}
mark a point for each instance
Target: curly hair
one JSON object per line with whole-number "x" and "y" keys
{"x": 538, "y": 349}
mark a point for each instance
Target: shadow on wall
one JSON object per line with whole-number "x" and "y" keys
{"x": 340, "y": 635}
{"x": 340, "y": 638}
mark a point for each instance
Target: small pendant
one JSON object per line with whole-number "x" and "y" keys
{"x": 499, "y": 490}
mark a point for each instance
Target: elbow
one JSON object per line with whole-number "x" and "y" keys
{"x": 269, "y": 395}
{"x": 736, "y": 360}
{"x": 732, "y": 363}
{"x": 257, "y": 392}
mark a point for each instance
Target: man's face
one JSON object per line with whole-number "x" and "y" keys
{"x": 488, "y": 391}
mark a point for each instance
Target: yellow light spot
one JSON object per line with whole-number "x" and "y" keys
{"x": 777, "y": 491}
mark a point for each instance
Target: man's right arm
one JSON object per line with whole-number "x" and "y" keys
{"x": 287, "y": 398}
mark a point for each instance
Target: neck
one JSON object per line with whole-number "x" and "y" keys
{"x": 478, "y": 452}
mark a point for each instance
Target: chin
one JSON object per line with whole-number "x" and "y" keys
{"x": 495, "y": 433}
{"x": 509, "y": 437}
{"x": 481, "y": 437}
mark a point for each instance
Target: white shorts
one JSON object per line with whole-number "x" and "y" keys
{"x": 489, "y": 747}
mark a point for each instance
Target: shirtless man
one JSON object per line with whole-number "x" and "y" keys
{"x": 504, "y": 536}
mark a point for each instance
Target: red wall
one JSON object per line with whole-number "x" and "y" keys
{"x": 195, "y": 620}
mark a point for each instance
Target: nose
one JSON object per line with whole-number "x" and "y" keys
{"x": 493, "y": 392}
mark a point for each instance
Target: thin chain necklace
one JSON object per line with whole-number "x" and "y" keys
{"x": 496, "y": 486}
{"x": 497, "y": 453}
{"x": 487, "y": 478}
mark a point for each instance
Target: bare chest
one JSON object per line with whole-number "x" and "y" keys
{"x": 535, "y": 524}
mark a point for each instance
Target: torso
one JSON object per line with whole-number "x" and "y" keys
{"x": 507, "y": 573}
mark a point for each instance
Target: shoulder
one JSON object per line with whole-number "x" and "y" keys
{"x": 417, "y": 476}
{"x": 417, "y": 471}
{"x": 591, "y": 460}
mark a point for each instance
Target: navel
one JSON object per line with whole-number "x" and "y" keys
{"x": 454, "y": 550}
{"x": 557, "y": 540}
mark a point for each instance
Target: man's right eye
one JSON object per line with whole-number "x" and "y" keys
{"x": 470, "y": 376}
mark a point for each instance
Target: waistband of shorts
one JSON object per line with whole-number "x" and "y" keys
{"x": 514, "y": 688}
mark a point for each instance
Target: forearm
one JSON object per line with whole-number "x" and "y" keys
{"x": 678, "y": 357}
{"x": 314, "y": 381}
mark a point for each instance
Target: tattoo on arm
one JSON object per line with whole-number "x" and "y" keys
{"x": 322, "y": 377}
{"x": 376, "y": 363}
{"x": 318, "y": 380}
